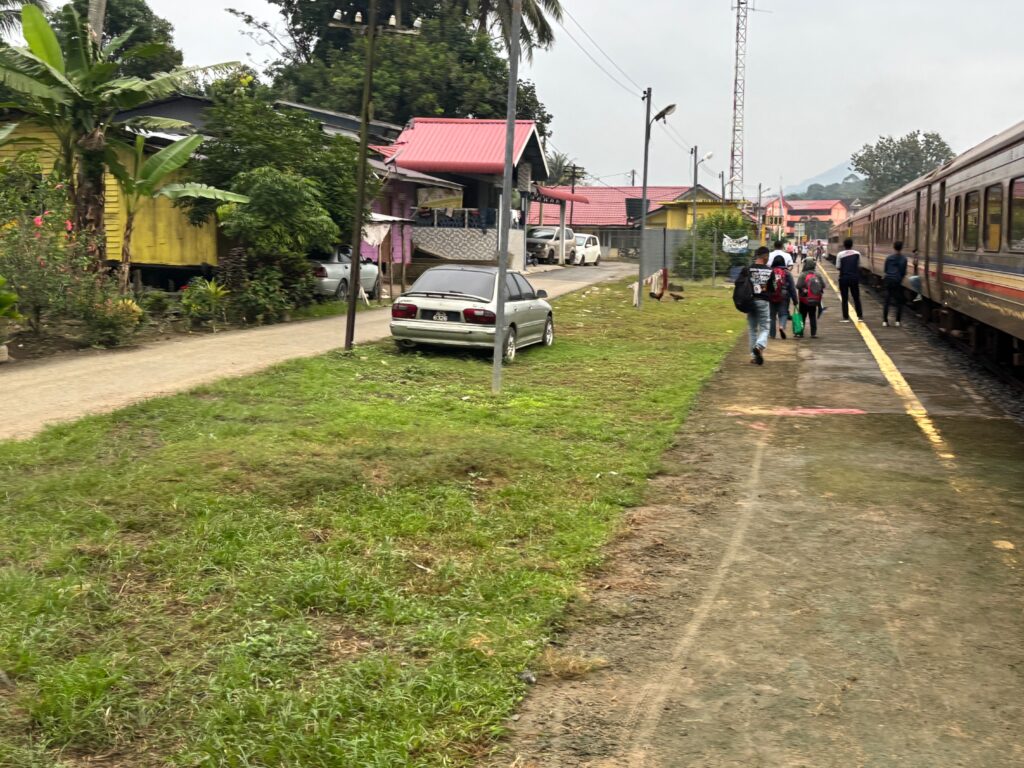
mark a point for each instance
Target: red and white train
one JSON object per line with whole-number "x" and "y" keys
{"x": 962, "y": 226}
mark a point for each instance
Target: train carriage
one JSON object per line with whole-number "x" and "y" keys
{"x": 962, "y": 227}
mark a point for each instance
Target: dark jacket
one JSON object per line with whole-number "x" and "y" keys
{"x": 760, "y": 276}
{"x": 895, "y": 267}
{"x": 848, "y": 264}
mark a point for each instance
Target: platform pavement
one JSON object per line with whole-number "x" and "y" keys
{"x": 815, "y": 580}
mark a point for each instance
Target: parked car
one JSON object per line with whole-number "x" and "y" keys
{"x": 332, "y": 273}
{"x": 457, "y": 306}
{"x": 544, "y": 244}
{"x": 588, "y": 250}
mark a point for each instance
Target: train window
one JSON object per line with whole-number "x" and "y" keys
{"x": 993, "y": 217}
{"x": 1017, "y": 215}
{"x": 956, "y": 224}
{"x": 972, "y": 216}
{"x": 933, "y": 225}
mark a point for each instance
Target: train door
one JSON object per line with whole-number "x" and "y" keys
{"x": 917, "y": 219}
{"x": 941, "y": 243}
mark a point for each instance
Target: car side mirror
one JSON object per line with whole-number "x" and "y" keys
{"x": 542, "y": 294}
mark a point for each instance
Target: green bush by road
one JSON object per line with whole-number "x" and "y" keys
{"x": 344, "y": 561}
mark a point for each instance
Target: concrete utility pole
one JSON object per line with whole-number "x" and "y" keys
{"x": 572, "y": 203}
{"x": 643, "y": 200}
{"x": 97, "y": 17}
{"x": 506, "y": 193}
{"x": 693, "y": 217}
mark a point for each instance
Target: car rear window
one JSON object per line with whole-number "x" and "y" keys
{"x": 461, "y": 281}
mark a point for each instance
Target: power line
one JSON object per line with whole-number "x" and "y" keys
{"x": 602, "y": 50}
{"x": 597, "y": 63}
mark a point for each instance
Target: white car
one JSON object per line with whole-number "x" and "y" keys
{"x": 588, "y": 250}
{"x": 333, "y": 272}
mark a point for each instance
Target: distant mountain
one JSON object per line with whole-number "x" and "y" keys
{"x": 831, "y": 176}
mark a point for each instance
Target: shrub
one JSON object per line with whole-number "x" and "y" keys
{"x": 112, "y": 322}
{"x": 205, "y": 301}
{"x": 263, "y": 298}
{"x": 155, "y": 303}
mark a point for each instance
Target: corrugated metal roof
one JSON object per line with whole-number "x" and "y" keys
{"x": 607, "y": 206}
{"x": 812, "y": 205}
{"x": 562, "y": 194}
{"x": 448, "y": 145}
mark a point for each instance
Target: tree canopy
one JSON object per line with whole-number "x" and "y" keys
{"x": 447, "y": 70}
{"x": 149, "y": 50}
{"x": 890, "y": 163}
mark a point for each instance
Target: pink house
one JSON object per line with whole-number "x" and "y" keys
{"x": 788, "y": 214}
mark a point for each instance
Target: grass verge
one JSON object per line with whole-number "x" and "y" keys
{"x": 343, "y": 561}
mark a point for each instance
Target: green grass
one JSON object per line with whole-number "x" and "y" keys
{"x": 332, "y": 308}
{"x": 343, "y": 561}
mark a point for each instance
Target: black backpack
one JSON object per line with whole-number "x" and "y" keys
{"x": 743, "y": 291}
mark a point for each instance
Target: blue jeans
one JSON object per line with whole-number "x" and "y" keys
{"x": 758, "y": 321}
{"x": 778, "y": 310}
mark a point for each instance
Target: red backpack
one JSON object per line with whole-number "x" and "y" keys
{"x": 812, "y": 289}
{"x": 778, "y": 288}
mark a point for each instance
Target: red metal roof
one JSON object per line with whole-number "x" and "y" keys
{"x": 812, "y": 205}
{"x": 562, "y": 194}
{"x": 448, "y": 145}
{"x": 607, "y": 205}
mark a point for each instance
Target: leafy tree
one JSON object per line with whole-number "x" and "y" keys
{"x": 710, "y": 231}
{"x": 150, "y": 46}
{"x": 148, "y": 178}
{"x": 10, "y": 13}
{"x": 890, "y": 163}
{"x": 73, "y": 89}
{"x": 247, "y": 133}
{"x": 850, "y": 188}
{"x": 536, "y": 31}
{"x": 560, "y": 166}
{"x": 458, "y": 74}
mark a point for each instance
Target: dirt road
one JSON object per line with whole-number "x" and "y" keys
{"x": 825, "y": 575}
{"x": 39, "y": 393}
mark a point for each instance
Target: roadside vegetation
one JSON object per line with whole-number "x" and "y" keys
{"x": 346, "y": 560}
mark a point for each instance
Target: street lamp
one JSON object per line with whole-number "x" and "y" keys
{"x": 648, "y": 122}
{"x": 693, "y": 213}
{"x": 340, "y": 20}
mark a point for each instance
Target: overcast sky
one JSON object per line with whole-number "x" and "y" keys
{"x": 823, "y": 77}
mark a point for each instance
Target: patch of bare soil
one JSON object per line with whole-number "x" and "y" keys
{"x": 798, "y": 591}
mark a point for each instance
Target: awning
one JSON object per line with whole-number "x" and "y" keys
{"x": 550, "y": 195}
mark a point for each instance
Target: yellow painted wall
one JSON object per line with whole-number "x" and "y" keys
{"x": 162, "y": 234}
{"x": 677, "y": 214}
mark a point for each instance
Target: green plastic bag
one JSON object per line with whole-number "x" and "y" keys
{"x": 798, "y": 324}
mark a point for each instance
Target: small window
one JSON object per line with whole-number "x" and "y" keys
{"x": 956, "y": 224}
{"x": 1017, "y": 215}
{"x": 514, "y": 293}
{"x": 993, "y": 217}
{"x": 525, "y": 289}
{"x": 972, "y": 219}
{"x": 933, "y": 225}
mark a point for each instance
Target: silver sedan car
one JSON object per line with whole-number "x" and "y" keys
{"x": 457, "y": 306}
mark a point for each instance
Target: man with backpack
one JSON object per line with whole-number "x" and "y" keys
{"x": 895, "y": 271}
{"x": 750, "y": 295}
{"x": 780, "y": 251}
{"x": 811, "y": 289}
{"x": 782, "y": 292}
{"x": 848, "y": 266}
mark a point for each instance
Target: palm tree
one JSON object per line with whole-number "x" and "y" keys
{"x": 72, "y": 89}
{"x": 536, "y": 31}
{"x": 149, "y": 178}
{"x": 10, "y": 13}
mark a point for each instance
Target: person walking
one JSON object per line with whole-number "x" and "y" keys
{"x": 780, "y": 251}
{"x": 758, "y": 318}
{"x": 895, "y": 270}
{"x": 848, "y": 266}
{"x": 783, "y": 291}
{"x": 811, "y": 289}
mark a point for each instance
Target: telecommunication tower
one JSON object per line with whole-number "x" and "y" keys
{"x": 738, "y": 96}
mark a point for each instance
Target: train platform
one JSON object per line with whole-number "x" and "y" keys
{"x": 828, "y": 573}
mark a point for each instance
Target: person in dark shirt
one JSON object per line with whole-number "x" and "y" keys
{"x": 848, "y": 266}
{"x": 759, "y": 318}
{"x": 895, "y": 271}
{"x": 783, "y": 292}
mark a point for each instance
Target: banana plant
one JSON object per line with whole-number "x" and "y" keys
{"x": 147, "y": 178}
{"x": 72, "y": 89}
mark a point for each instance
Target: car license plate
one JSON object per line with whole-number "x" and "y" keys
{"x": 440, "y": 315}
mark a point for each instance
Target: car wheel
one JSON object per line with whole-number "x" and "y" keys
{"x": 572, "y": 257}
{"x": 405, "y": 345}
{"x": 597, "y": 261}
{"x": 551, "y": 257}
{"x": 375, "y": 291}
{"x": 509, "y": 355}
{"x": 549, "y": 332}
{"x": 342, "y": 292}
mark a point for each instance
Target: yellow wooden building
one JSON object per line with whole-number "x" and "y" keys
{"x": 163, "y": 236}
{"x": 678, "y": 214}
